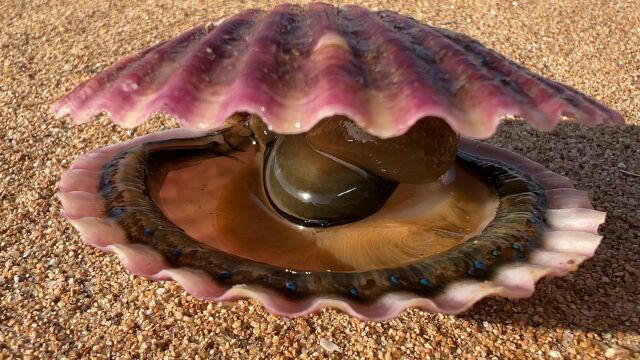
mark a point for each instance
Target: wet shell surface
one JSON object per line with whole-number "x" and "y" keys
{"x": 568, "y": 235}
{"x": 295, "y": 65}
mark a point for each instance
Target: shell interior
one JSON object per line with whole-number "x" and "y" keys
{"x": 220, "y": 202}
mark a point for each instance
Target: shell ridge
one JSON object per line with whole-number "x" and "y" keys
{"x": 331, "y": 82}
{"x": 122, "y": 99}
{"x": 393, "y": 58}
{"x": 538, "y": 91}
{"x": 450, "y": 60}
{"x": 597, "y": 112}
{"x": 77, "y": 99}
{"x": 496, "y": 64}
{"x": 425, "y": 88}
{"x": 195, "y": 71}
{"x": 259, "y": 87}
{"x": 337, "y": 70}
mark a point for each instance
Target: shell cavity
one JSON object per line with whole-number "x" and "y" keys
{"x": 562, "y": 233}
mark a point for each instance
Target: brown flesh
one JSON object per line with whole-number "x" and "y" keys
{"x": 422, "y": 154}
{"x": 220, "y": 202}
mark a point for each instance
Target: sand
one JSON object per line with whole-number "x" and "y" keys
{"x": 62, "y": 299}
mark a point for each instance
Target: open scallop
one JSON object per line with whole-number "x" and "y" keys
{"x": 332, "y": 165}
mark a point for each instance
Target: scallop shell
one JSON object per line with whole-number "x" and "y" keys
{"x": 295, "y": 65}
{"x": 570, "y": 238}
{"x": 383, "y": 70}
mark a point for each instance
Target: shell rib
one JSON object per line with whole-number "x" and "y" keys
{"x": 570, "y": 238}
{"x": 295, "y": 65}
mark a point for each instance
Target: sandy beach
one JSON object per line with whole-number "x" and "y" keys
{"x": 61, "y": 299}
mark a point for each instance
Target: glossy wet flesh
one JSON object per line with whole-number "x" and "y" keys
{"x": 417, "y": 221}
{"x": 130, "y": 185}
{"x": 314, "y": 189}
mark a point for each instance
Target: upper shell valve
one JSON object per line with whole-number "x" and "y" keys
{"x": 296, "y": 65}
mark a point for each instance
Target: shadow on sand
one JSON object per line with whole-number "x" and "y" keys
{"x": 604, "y": 294}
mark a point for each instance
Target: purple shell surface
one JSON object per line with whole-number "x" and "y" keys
{"x": 569, "y": 238}
{"x": 295, "y": 65}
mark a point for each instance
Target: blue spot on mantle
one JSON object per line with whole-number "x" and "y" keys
{"x": 291, "y": 285}
{"x": 116, "y": 212}
{"x": 394, "y": 279}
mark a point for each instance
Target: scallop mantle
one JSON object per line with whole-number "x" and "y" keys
{"x": 383, "y": 70}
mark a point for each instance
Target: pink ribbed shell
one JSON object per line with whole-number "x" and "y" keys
{"x": 295, "y": 65}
